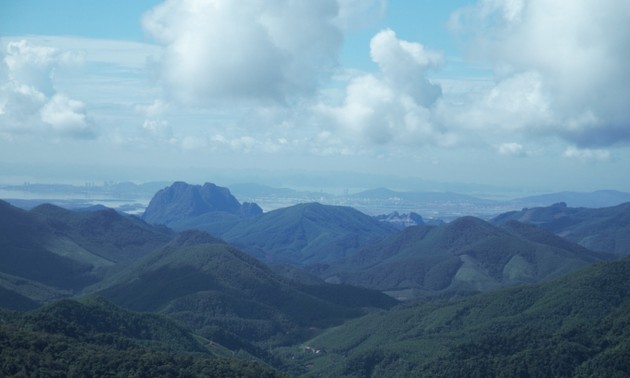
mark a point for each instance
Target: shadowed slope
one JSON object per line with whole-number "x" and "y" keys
{"x": 604, "y": 229}
{"x": 307, "y": 233}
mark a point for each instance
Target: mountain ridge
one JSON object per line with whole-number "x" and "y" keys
{"x": 604, "y": 229}
{"x": 308, "y": 232}
{"x": 467, "y": 254}
{"x": 573, "y": 326}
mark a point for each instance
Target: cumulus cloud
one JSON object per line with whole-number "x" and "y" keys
{"x": 404, "y": 65}
{"x": 28, "y": 100}
{"x": 561, "y": 67}
{"x": 66, "y": 116}
{"x": 395, "y": 104}
{"x": 266, "y": 50}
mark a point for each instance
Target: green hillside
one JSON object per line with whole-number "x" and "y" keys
{"x": 24, "y": 252}
{"x": 575, "y": 326}
{"x": 223, "y": 293}
{"x": 94, "y": 338}
{"x": 105, "y": 233}
{"x": 466, "y": 255}
{"x": 306, "y": 233}
{"x": 50, "y": 252}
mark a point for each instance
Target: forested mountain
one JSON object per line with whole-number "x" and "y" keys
{"x": 602, "y": 229}
{"x": 50, "y": 252}
{"x": 306, "y": 233}
{"x": 225, "y": 294}
{"x": 202, "y": 297}
{"x": 575, "y": 326}
{"x": 94, "y": 338}
{"x": 466, "y": 255}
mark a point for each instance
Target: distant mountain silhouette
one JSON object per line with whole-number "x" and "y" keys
{"x": 306, "y": 233}
{"x": 180, "y": 204}
{"x": 465, "y": 255}
{"x": 599, "y": 198}
{"x": 602, "y": 229}
{"x": 401, "y": 221}
{"x": 388, "y": 194}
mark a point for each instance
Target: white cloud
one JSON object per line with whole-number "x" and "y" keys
{"x": 31, "y": 65}
{"x": 395, "y": 105}
{"x": 563, "y": 63}
{"x": 28, "y": 100}
{"x": 514, "y": 104}
{"x": 66, "y": 116}
{"x": 404, "y": 65}
{"x": 266, "y": 50}
{"x": 587, "y": 154}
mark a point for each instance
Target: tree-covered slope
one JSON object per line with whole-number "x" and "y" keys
{"x": 94, "y": 338}
{"x": 215, "y": 288}
{"x": 465, "y": 255}
{"x": 306, "y": 233}
{"x": 602, "y": 229}
{"x": 104, "y": 232}
{"x": 25, "y": 252}
{"x": 575, "y": 326}
{"x": 63, "y": 250}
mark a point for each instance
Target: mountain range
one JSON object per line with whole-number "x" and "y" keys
{"x": 306, "y": 233}
{"x": 202, "y": 300}
{"x": 342, "y": 245}
{"x": 577, "y": 325}
{"x": 50, "y": 252}
{"x": 600, "y": 229}
{"x": 214, "y": 287}
{"x": 466, "y": 255}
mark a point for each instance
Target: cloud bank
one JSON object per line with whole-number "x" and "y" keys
{"x": 560, "y": 68}
{"x": 560, "y": 72}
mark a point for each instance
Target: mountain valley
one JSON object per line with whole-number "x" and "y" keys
{"x": 206, "y": 282}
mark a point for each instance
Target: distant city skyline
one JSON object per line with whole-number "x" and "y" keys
{"x": 506, "y": 94}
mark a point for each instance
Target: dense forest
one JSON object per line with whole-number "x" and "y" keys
{"x": 94, "y": 338}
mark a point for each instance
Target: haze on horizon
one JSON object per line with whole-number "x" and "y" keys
{"x": 507, "y": 93}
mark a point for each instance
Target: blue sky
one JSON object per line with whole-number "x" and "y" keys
{"x": 520, "y": 94}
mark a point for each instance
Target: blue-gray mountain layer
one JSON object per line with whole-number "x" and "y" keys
{"x": 181, "y": 202}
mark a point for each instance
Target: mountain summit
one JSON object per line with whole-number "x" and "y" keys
{"x": 182, "y": 201}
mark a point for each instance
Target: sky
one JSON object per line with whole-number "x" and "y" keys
{"x": 528, "y": 95}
